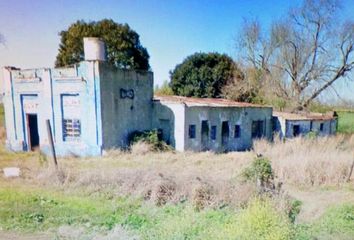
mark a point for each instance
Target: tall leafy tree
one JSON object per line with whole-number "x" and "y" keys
{"x": 123, "y": 46}
{"x": 202, "y": 75}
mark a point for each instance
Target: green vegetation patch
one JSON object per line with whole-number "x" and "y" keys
{"x": 345, "y": 122}
{"x": 38, "y": 210}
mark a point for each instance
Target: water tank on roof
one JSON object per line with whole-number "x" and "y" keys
{"x": 94, "y": 49}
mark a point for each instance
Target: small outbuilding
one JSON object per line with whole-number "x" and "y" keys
{"x": 290, "y": 125}
{"x": 201, "y": 124}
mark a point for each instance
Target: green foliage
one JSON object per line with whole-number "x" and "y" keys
{"x": 123, "y": 46}
{"x": 37, "y": 210}
{"x": 260, "y": 168}
{"x": 164, "y": 89}
{"x": 345, "y": 122}
{"x": 294, "y": 210}
{"x": 336, "y": 223}
{"x": 261, "y": 221}
{"x": 202, "y": 75}
{"x": 150, "y": 137}
{"x": 312, "y": 135}
{"x": 2, "y": 115}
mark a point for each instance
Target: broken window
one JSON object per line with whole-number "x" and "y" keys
{"x": 225, "y": 132}
{"x": 71, "y": 129}
{"x": 71, "y": 123}
{"x": 237, "y": 132}
{"x": 296, "y": 130}
{"x": 213, "y": 132}
{"x": 321, "y": 127}
{"x": 257, "y": 129}
{"x": 191, "y": 131}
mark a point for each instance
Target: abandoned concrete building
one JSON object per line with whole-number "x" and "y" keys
{"x": 93, "y": 106}
{"x": 290, "y": 125}
{"x": 201, "y": 124}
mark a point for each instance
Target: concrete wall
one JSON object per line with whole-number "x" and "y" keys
{"x": 181, "y": 116}
{"x": 306, "y": 126}
{"x": 40, "y": 92}
{"x": 170, "y": 118}
{"x": 123, "y": 113}
{"x": 235, "y": 116}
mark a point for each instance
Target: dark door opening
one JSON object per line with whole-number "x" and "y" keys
{"x": 257, "y": 129}
{"x": 225, "y": 132}
{"x": 205, "y": 135}
{"x": 296, "y": 130}
{"x": 32, "y": 130}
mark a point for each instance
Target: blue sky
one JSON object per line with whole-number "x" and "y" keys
{"x": 169, "y": 29}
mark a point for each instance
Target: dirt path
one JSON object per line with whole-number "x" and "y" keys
{"x": 317, "y": 201}
{"x": 25, "y": 236}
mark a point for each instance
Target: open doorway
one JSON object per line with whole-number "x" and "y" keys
{"x": 225, "y": 132}
{"x": 296, "y": 130}
{"x": 205, "y": 135}
{"x": 32, "y": 131}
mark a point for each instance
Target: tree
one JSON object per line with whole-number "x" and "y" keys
{"x": 302, "y": 54}
{"x": 202, "y": 75}
{"x": 123, "y": 46}
{"x": 164, "y": 89}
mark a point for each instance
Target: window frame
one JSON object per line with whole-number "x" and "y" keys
{"x": 213, "y": 132}
{"x": 192, "y": 129}
{"x": 237, "y": 131}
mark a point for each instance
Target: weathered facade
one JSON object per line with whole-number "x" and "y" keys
{"x": 290, "y": 125}
{"x": 91, "y": 106}
{"x": 94, "y": 106}
{"x": 211, "y": 124}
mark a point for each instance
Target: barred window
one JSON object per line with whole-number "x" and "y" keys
{"x": 71, "y": 129}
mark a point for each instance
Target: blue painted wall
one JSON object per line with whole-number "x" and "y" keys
{"x": 42, "y": 92}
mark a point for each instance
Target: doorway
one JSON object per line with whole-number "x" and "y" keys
{"x": 205, "y": 135}
{"x": 296, "y": 130}
{"x": 225, "y": 132}
{"x": 32, "y": 131}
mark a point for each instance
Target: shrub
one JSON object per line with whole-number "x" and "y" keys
{"x": 260, "y": 169}
{"x": 151, "y": 138}
{"x": 261, "y": 221}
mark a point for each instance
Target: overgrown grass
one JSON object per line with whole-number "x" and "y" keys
{"x": 336, "y": 223}
{"x": 345, "y": 122}
{"x": 37, "y": 210}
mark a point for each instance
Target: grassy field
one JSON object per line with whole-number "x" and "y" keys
{"x": 346, "y": 122}
{"x": 167, "y": 195}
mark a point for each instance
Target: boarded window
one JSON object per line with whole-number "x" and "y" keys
{"x": 71, "y": 123}
{"x": 237, "y": 133}
{"x": 225, "y": 132}
{"x": 191, "y": 131}
{"x": 257, "y": 129}
{"x": 213, "y": 133}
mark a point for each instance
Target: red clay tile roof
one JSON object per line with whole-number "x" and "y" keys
{"x": 209, "y": 102}
{"x": 303, "y": 116}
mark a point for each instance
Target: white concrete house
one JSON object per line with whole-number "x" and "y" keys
{"x": 201, "y": 124}
{"x": 290, "y": 125}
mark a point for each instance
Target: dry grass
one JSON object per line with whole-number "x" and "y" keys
{"x": 310, "y": 162}
{"x": 205, "y": 179}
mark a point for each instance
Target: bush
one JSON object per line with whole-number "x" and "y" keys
{"x": 260, "y": 169}
{"x": 151, "y": 138}
{"x": 260, "y": 220}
